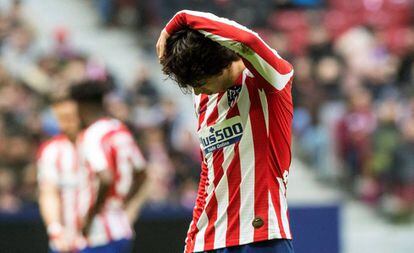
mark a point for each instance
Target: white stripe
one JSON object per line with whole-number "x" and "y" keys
{"x": 68, "y": 166}
{"x": 274, "y": 230}
{"x": 223, "y": 108}
{"x": 47, "y": 164}
{"x": 116, "y": 223}
{"x": 222, "y": 189}
{"x": 222, "y": 196}
{"x": 265, "y": 108}
{"x": 93, "y": 149}
{"x": 97, "y": 236}
{"x": 124, "y": 153}
{"x": 266, "y": 70}
{"x": 247, "y": 169}
{"x": 115, "y": 228}
{"x": 284, "y": 208}
{"x": 196, "y": 99}
{"x": 211, "y": 104}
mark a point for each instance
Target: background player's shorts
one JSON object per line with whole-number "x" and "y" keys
{"x": 120, "y": 246}
{"x": 272, "y": 246}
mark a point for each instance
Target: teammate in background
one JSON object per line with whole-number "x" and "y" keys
{"x": 243, "y": 101}
{"x": 108, "y": 152}
{"x": 59, "y": 179}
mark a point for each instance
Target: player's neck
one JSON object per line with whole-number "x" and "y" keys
{"x": 236, "y": 69}
{"x": 90, "y": 118}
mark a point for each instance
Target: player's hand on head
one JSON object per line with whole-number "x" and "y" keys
{"x": 161, "y": 43}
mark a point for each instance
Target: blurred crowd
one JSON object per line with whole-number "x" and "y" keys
{"x": 28, "y": 73}
{"x": 353, "y": 95}
{"x": 353, "y": 89}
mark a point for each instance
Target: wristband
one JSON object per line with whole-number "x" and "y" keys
{"x": 54, "y": 229}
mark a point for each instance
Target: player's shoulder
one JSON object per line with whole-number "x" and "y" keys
{"x": 102, "y": 128}
{"x": 51, "y": 145}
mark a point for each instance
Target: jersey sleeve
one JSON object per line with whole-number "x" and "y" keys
{"x": 47, "y": 170}
{"x": 258, "y": 57}
{"x": 127, "y": 151}
{"x": 96, "y": 151}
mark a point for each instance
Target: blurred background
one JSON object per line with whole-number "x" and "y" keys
{"x": 351, "y": 188}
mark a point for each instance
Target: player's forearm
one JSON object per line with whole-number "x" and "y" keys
{"x": 49, "y": 205}
{"x": 103, "y": 190}
{"x": 105, "y": 181}
{"x": 224, "y": 31}
{"x": 139, "y": 179}
{"x": 260, "y": 58}
{"x": 136, "y": 196}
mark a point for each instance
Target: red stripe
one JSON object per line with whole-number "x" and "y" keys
{"x": 230, "y": 32}
{"x": 111, "y": 154}
{"x": 211, "y": 209}
{"x": 234, "y": 176}
{"x": 212, "y": 118}
{"x": 274, "y": 191}
{"x": 199, "y": 207}
{"x": 233, "y": 210}
{"x": 259, "y": 133}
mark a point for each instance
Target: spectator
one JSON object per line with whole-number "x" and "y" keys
{"x": 354, "y": 133}
{"x": 398, "y": 202}
{"x": 8, "y": 199}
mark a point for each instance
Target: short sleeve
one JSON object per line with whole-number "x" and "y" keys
{"x": 127, "y": 150}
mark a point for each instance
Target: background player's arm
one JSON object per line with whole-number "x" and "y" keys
{"x": 95, "y": 153}
{"x": 105, "y": 179}
{"x": 136, "y": 195}
{"x": 49, "y": 203}
{"x": 258, "y": 57}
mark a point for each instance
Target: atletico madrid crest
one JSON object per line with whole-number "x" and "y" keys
{"x": 232, "y": 94}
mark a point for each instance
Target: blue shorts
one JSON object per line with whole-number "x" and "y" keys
{"x": 272, "y": 246}
{"x": 120, "y": 246}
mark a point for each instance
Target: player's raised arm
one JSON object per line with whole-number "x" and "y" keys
{"x": 259, "y": 58}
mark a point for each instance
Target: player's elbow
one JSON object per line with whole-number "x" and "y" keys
{"x": 250, "y": 39}
{"x": 140, "y": 176}
{"x": 105, "y": 177}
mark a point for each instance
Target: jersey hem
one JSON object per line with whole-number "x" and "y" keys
{"x": 235, "y": 243}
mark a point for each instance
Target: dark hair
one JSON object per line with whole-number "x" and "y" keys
{"x": 190, "y": 57}
{"x": 57, "y": 96}
{"x": 89, "y": 91}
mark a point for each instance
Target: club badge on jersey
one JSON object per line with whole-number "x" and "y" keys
{"x": 221, "y": 134}
{"x": 233, "y": 94}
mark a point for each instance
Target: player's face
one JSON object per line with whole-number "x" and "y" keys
{"x": 66, "y": 113}
{"x": 212, "y": 85}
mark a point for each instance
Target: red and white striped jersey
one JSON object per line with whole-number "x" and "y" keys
{"x": 245, "y": 139}
{"x": 57, "y": 165}
{"x": 107, "y": 144}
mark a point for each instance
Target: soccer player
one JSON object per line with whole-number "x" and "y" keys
{"x": 116, "y": 170}
{"x": 59, "y": 179}
{"x": 243, "y": 102}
